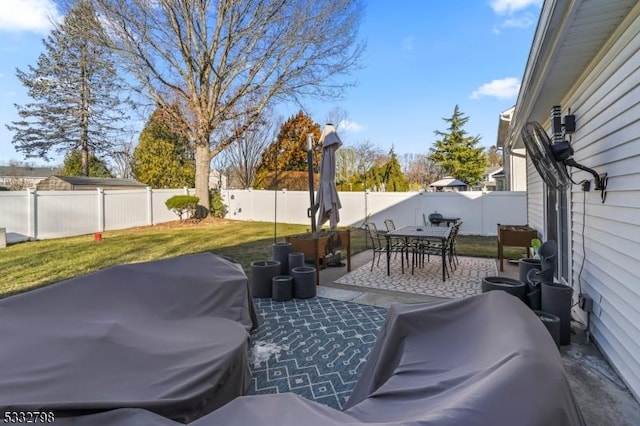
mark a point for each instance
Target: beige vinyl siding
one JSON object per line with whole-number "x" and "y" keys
{"x": 606, "y": 103}
{"x": 535, "y": 199}
{"x": 519, "y": 171}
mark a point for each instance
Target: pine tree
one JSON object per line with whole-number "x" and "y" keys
{"x": 456, "y": 153}
{"x": 75, "y": 91}
{"x": 73, "y": 165}
{"x": 162, "y": 158}
{"x": 394, "y": 180}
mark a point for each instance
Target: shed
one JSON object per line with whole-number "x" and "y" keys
{"x": 79, "y": 183}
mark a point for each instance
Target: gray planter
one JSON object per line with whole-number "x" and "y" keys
{"x": 512, "y": 286}
{"x": 524, "y": 266}
{"x": 282, "y": 288}
{"x": 281, "y": 254}
{"x": 556, "y": 300}
{"x": 304, "y": 282}
{"x": 262, "y": 272}
{"x": 296, "y": 259}
{"x": 552, "y": 323}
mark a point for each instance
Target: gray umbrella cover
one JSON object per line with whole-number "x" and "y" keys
{"x": 327, "y": 197}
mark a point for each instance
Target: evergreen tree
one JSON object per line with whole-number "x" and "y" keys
{"x": 393, "y": 178}
{"x": 73, "y": 165}
{"x": 75, "y": 92}
{"x": 162, "y": 158}
{"x": 456, "y": 153}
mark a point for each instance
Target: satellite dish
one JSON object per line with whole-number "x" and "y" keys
{"x": 546, "y": 156}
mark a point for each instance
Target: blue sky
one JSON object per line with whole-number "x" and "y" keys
{"x": 423, "y": 57}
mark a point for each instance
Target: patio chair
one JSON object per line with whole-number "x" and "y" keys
{"x": 397, "y": 242}
{"x": 452, "y": 253}
{"x": 380, "y": 245}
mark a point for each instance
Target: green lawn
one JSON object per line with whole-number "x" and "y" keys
{"x": 32, "y": 264}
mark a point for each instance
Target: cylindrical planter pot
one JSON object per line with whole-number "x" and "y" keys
{"x": 552, "y": 323}
{"x": 512, "y": 286}
{"x": 282, "y": 288}
{"x": 281, "y": 254}
{"x": 262, "y": 272}
{"x": 525, "y": 265}
{"x": 556, "y": 300}
{"x": 304, "y": 282}
{"x": 296, "y": 259}
{"x": 534, "y": 299}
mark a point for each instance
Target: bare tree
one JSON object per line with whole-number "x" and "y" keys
{"x": 245, "y": 155}
{"x": 228, "y": 60}
{"x": 346, "y": 166}
{"x": 121, "y": 156}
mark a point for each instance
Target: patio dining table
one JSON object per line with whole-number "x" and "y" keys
{"x": 438, "y": 233}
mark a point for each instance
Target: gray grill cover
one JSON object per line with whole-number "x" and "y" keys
{"x": 483, "y": 360}
{"x": 169, "y": 336}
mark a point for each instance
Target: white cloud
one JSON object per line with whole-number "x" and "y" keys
{"x": 506, "y": 88}
{"x": 27, "y": 15}
{"x": 524, "y": 21}
{"x": 350, "y": 126}
{"x": 508, "y": 7}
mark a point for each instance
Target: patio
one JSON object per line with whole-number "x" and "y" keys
{"x": 601, "y": 395}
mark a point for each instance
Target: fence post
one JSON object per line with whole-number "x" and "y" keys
{"x": 150, "y": 205}
{"x": 100, "y": 209}
{"x": 32, "y": 213}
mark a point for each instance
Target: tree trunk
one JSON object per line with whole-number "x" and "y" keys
{"x": 203, "y": 161}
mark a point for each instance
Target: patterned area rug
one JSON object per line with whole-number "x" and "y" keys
{"x": 464, "y": 281}
{"x": 313, "y": 347}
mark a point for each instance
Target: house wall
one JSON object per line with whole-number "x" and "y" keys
{"x": 606, "y": 236}
{"x": 535, "y": 198}
{"x": 517, "y": 171}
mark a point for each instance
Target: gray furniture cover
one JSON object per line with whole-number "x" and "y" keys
{"x": 169, "y": 336}
{"x": 483, "y": 360}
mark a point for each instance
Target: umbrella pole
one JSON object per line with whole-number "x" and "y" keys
{"x": 312, "y": 210}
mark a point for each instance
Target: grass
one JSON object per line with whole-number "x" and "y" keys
{"x": 33, "y": 264}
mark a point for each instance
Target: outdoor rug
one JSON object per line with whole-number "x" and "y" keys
{"x": 464, "y": 281}
{"x": 313, "y": 347}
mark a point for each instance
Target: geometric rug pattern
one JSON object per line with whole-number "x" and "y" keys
{"x": 313, "y": 347}
{"x": 464, "y": 281}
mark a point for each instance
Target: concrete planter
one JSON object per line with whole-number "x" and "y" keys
{"x": 262, "y": 273}
{"x": 512, "y": 286}
{"x": 282, "y": 288}
{"x": 304, "y": 282}
{"x": 280, "y": 252}
{"x": 296, "y": 259}
{"x": 556, "y": 300}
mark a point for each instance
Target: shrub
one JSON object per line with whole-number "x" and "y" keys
{"x": 181, "y": 204}
{"x": 217, "y": 208}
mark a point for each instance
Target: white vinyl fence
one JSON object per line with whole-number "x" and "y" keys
{"x": 35, "y": 214}
{"x": 479, "y": 211}
{"x": 52, "y": 214}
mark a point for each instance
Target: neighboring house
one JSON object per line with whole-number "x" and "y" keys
{"x": 488, "y": 182}
{"x": 83, "y": 183}
{"x": 23, "y": 177}
{"x": 217, "y": 180}
{"x": 514, "y": 164}
{"x": 585, "y": 57}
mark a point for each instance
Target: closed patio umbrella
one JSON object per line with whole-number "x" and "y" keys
{"x": 327, "y": 198}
